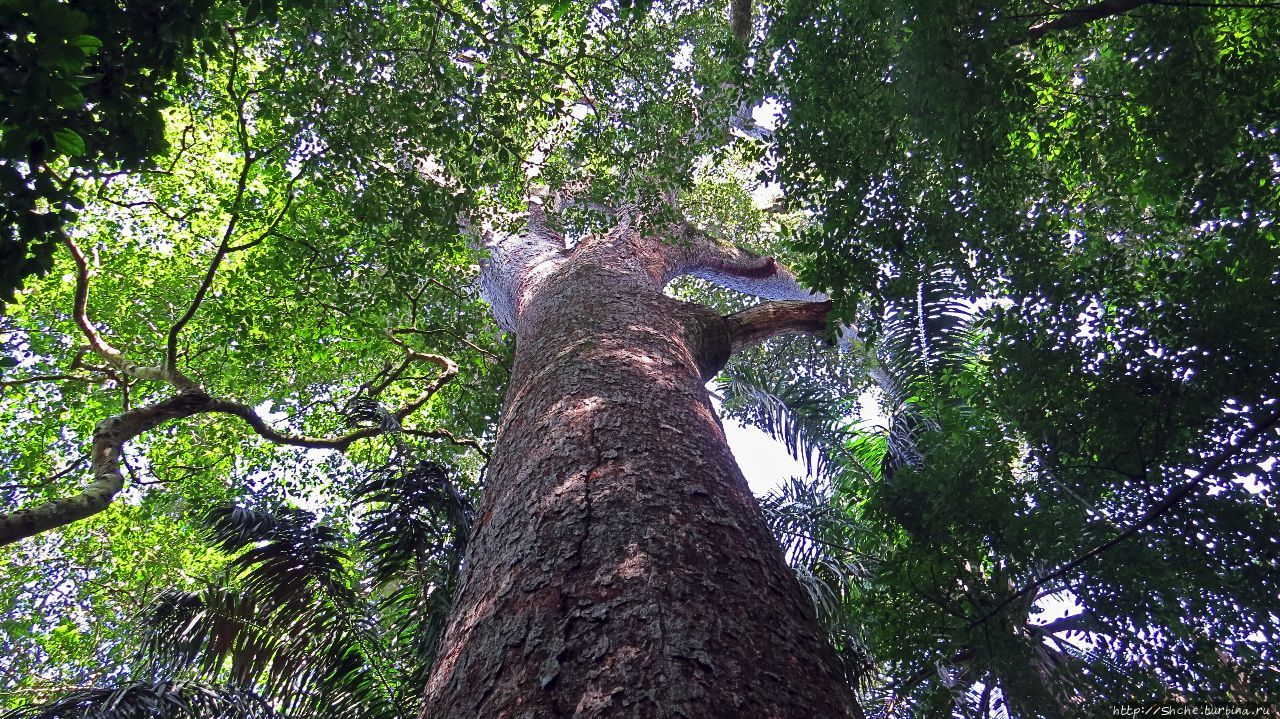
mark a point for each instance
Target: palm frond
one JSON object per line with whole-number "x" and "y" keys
{"x": 414, "y": 515}
{"x": 927, "y": 338}
{"x": 817, "y": 538}
{"x": 364, "y": 411}
{"x": 287, "y": 624}
{"x": 210, "y": 634}
{"x": 868, "y": 447}
{"x": 801, "y": 418}
{"x": 414, "y": 535}
{"x": 285, "y": 552}
{"x": 926, "y": 333}
{"x": 289, "y": 627}
{"x": 150, "y": 700}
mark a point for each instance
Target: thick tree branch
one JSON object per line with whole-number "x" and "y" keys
{"x": 1084, "y": 15}
{"x": 696, "y": 253}
{"x": 771, "y": 319}
{"x": 109, "y": 438}
{"x": 262, "y": 429}
{"x": 740, "y": 19}
{"x": 518, "y": 262}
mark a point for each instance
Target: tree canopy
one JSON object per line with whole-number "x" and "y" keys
{"x": 243, "y": 343}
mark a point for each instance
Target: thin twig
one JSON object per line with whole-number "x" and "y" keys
{"x": 224, "y": 245}
{"x": 451, "y": 437}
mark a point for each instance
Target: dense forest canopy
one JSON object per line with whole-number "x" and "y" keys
{"x": 245, "y": 349}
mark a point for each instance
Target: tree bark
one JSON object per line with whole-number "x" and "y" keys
{"x": 620, "y": 566}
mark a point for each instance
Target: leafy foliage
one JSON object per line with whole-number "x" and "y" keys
{"x": 85, "y": 87}
{"x": 294, "y": 627}
{"x": 414, "y": 537}
{"x": 1101, "y": 198}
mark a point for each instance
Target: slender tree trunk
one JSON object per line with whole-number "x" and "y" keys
{"x": 620, "y": 566}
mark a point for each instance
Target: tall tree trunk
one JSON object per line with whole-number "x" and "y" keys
{"x": 620, "y": 566}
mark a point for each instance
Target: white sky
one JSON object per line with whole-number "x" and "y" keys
{"x": 764, "y": 461}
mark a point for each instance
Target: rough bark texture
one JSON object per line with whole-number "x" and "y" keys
{"x": 740, "y": 19}
{"x": 620, "y": 566}
{"x": 771, "y": 319}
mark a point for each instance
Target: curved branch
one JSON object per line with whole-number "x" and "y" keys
{"x": 450, "y": 437}
{"x": 114, "y": 357}
{"x": 111, "y": 435}
{"x": 224, "y": 245}
{"x": 340, "y": 443}
{"x": 109, "y": 438}
{"x": 487, "y": 353}
{"x": 262, "y": 429}
{"x": 449, "y": 370}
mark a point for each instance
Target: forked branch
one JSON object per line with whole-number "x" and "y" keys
{"x": 114, "y": 357}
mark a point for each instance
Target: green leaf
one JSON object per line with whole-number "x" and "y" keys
{"x": 87, "y": 43}
{"x": 68, "y": 142}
